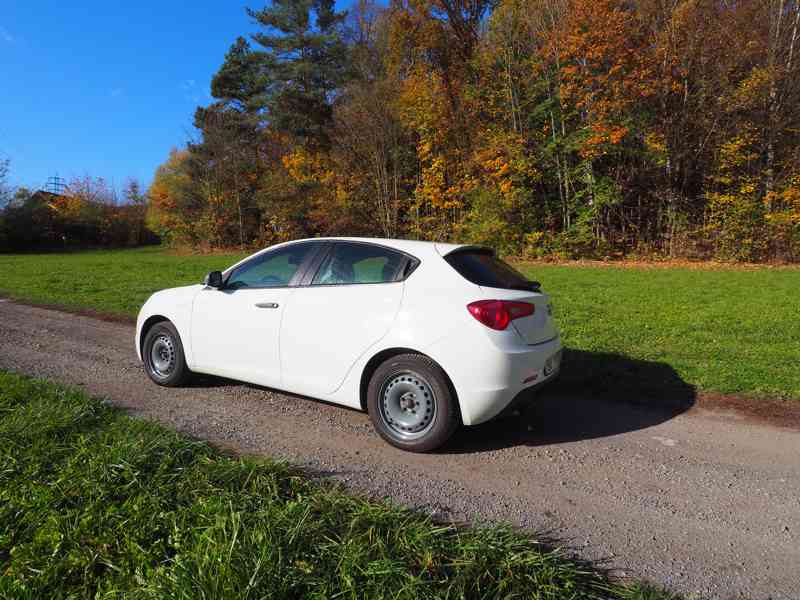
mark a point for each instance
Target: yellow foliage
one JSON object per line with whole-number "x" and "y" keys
{"x": 785, "y": 204}
{"x": 68, "y": 207}
{"x": 501, "y": 158}
{"x": 306, "y": 167}
{"x": 752, "y": 90}
{"x": 443, "y": 180}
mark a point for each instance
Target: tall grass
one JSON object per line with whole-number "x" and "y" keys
{"x": 94, "y": 504}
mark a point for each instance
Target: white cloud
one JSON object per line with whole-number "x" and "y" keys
{"x": 6, "y": 36}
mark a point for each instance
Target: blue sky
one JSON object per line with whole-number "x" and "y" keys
{"x": 106, "y": 88}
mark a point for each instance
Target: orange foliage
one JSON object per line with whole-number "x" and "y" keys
{"x": 607, "y": 69}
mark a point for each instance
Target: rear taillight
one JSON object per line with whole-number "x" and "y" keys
{"x": 497, "y": 314}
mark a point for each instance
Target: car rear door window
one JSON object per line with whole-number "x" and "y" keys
{"x": 349, "y": 263}
{"x": 483, "y": 268}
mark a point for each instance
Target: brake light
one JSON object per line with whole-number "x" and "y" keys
{"x": 497, "y": 314}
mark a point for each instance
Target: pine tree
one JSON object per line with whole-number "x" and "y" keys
{"x": 241, "y": 82}
{"x": 303, "y": 63}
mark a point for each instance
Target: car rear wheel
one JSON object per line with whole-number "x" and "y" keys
{"x": 410, "y": 403}
{"x": 162, "y": 352}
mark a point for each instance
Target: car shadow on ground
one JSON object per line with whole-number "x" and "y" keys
{"x": 201, "y": 380}
{"x": 597, "y": 395}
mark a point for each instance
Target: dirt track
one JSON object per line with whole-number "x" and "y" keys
{"x": 699, "y": 501}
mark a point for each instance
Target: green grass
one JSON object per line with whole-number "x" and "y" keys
{"x": 729, "y": 331}
{"x": 114, "y": 281}
{"x": 95, "y": 504}
{"x": 645, "y": 330}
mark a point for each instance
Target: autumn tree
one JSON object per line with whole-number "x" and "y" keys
{"x": 226, "y": 164}
{"x": 85, "y": 215}
{"x": 369, "y": 142}
{"x": 540, "y": 127}
{"x": 430, "y": 49}
{"x": 175, "y": 209}
{"x": 132, "y": 192}
{"x": 515, "y": 112}
{"x": 285, "y": 88}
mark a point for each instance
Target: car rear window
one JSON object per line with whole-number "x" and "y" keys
{"x": 483, "y": 268}
{"x": 359, "y": 263}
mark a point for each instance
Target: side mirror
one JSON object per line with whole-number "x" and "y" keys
{"x": 213, "y": 279}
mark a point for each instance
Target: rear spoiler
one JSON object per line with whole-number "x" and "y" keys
{"x": 471, "y": 248}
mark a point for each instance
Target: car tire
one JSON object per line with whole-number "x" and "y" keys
{"x": 163, "y": 357}
{"x": 411, "y": 403}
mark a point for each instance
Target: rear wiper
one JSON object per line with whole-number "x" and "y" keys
{"x": 531, "y": 286}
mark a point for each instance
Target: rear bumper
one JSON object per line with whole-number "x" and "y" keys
{"x": 488, "y": 378}
{"x": 525, "y": 397}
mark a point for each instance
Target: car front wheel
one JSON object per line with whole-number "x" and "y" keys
{"x": 162, "y": 352}
{"x": 410, "y": 403}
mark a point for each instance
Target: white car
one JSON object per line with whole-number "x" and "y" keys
{"x": 423, "y": 336}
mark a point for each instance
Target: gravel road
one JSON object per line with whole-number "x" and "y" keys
{"x": 703, "y": 502}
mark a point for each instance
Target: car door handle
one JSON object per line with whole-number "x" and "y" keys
{"x": 266, "y": 305}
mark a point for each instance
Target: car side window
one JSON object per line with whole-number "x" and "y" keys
{"x": 271, "y": 269}
{"x": 359, "y": 263}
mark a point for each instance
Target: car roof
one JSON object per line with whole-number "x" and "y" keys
{"x": 414, "y": 247}
{"x": 417, "y": 248}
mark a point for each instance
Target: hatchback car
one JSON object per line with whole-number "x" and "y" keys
{"x": 423, "y": 336}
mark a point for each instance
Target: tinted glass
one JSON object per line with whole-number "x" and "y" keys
{"x": 483, "y": 268}
{"x": 359, "y": 263}
{"x": 271, "y": 269}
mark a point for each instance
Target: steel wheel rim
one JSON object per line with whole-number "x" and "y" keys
{"x": 162, "y": 356}
{"x": 407, "y": 405}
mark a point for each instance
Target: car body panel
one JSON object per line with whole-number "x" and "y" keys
{"x": 174, "y": 304}
{"x": 235, "y": 333}
{"x": 326, "y": 328}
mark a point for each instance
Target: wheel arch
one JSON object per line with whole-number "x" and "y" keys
{"x": 147, "y": 326}
{"x": 384, "y": 355}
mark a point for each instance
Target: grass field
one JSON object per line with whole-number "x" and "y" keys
{"x": 114, "y": 281}
{"x": 95, "y": 504}
{"x": 730, "y": 331}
